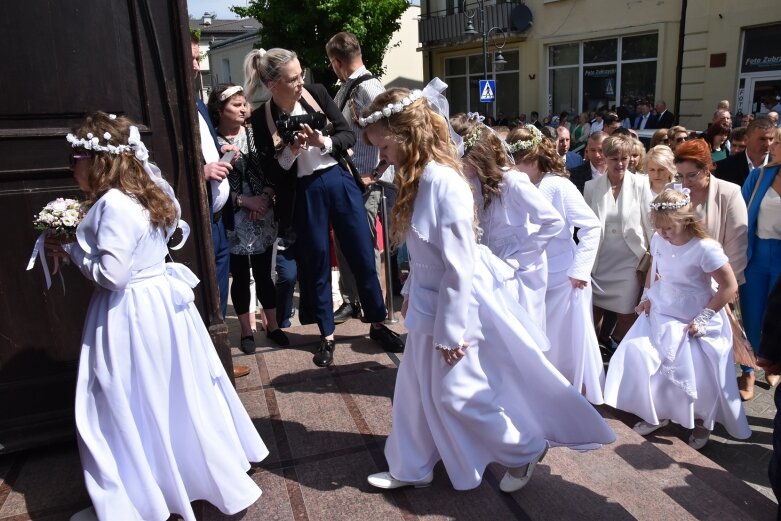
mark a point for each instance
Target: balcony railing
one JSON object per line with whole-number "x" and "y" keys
{"x": 444, "y": 29}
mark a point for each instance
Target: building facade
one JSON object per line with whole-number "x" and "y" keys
{"x": 580, "y": 55}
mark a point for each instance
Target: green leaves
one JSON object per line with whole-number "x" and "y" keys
{"x": 306, "y": 30}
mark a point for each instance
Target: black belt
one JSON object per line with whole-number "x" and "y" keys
{"x": 216, "y": 216}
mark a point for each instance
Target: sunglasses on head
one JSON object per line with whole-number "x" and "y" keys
{"x": 74, "y": 157}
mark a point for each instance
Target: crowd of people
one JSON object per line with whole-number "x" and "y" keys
{"x": 531, "y": 265}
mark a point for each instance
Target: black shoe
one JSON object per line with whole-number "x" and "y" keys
{"x": 357, "y": 311}
{"x": 344, "y": 313}
{"x": 278, "y": 337}
{"x": 325, "y": 353}
{"x": 247, "y": 345}
{"x": 389, "y": 340}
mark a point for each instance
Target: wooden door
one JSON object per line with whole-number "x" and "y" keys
{"x": 60, "y": 60}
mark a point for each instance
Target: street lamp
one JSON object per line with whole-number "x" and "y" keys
{"x": 471, "y": 17}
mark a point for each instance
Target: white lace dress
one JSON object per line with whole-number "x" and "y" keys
{"x": 159, "y": 423}
{"x": 660, "y": 372}
{"x": 504, "y": 399}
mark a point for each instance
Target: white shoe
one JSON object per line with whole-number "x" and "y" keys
{"x": 510, "y": 483}
{"x": 88, "y": 514}
{"x": 698, "y": 443}
{"x": 644, "y": 428}
{"x": 388, "y": 482}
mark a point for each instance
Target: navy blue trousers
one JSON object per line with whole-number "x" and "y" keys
{"x": 221, "y": 262}
{"x": 287, "y": 274}
{"x": 331, "y": 196}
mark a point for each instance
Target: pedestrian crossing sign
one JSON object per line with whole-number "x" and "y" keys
{"x": 487, "y": 91}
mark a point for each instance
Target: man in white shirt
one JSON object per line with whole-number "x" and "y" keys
{"x": 358, "y": 89}
{"x": 595, "y": 165}
{"x": 643, "y": 116}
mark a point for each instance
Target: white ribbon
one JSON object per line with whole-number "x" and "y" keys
{"x": 40, "y": 251}
{"x": 433, "y": 93}
{"x": 142, "y": 154}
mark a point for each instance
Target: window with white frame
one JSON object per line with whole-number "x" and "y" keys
{"x": 463, "y": 75}
{"x": 591, "y": 74}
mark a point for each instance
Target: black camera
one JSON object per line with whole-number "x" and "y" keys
{"x": 288, "y": 126}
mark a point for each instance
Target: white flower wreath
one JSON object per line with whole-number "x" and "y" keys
{"x": 526, "y": 144}
{"x": 391, "y": 108}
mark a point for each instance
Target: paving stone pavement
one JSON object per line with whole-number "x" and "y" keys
{"x": 325, "y": 429}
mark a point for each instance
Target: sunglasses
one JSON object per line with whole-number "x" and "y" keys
{"x": 75, "y": 157}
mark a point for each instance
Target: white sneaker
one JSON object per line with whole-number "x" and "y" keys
{"x": 698, "y": 443}
{"x": 88, "y": 514}
{"x": 386, "y": 481}
{"x": 510, "y": 483}
{"x": 644, "y": 428}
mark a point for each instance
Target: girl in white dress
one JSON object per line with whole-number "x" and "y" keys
{"x": 159, "y": 423}
{"x": 675, "y": 363}
{"x": 516, "y": 223}
{"x": 574, "y": 348}
{"x": 473, "y": 386}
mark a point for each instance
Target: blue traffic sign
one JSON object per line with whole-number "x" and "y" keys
{"x": 487, "y": 91}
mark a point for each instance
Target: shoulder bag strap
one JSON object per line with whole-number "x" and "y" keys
{"x": 756, "y": 186}
{"x": 357, "y": 81}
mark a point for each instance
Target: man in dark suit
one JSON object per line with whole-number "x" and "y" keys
{"x": 571, "y": 159}
{"x": 759, "y": 137}
{"x": 643, "y": 118}
{"x": 663, "y": 118}
{"x": 535, "y": 120}
{"x": 595, "y": 166}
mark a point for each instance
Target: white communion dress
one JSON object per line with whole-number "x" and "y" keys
{"x": 574, "y": 349}
{"x": 159, "y": 423}
{"x": 517, "y": 227}
{"x": 503, "y": 400}
{"x": 660, "y": 372}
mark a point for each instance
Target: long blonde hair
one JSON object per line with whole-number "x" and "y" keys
{"x": 422, "y": 136}
{"x": 123, "y": 171}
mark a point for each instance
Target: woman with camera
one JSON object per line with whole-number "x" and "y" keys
{"x": 255, "y": 228}
{"x": 314, "y": 189}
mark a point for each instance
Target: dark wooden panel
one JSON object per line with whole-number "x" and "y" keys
{"x": 65, "y": 59}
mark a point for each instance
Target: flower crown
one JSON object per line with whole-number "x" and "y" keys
{"x": 675, "y": 205}
{"x": 472, "y": 139}
{"x": 391, "y": 108}
{"x": 525, "y": 144}
{"x": 92, "y": 142}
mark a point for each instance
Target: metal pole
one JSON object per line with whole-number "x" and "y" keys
{"x": 391, "y": 319}
{"x": 485, "y": 49}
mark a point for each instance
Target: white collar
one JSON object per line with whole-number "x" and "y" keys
{"x": 752, "y": 166}
{"x": 358, "y": 72}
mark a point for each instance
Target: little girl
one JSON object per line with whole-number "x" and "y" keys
{"x": 675, "y": 363}
{"x": 159, "y": 423}
{"x": 473, "y": 387}
{"x": 516, "y": 222}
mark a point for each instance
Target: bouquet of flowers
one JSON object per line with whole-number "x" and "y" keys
{"x": 58, "y": 218}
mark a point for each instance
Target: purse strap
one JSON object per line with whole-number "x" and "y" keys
{"x": 756, "y": 186}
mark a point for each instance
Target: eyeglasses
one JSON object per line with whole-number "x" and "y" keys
{"x": 681, "y": 139}
{"x": 691, "y": 176}
{"x": 666, "y": 140}
{"x": 73, "y": 158}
